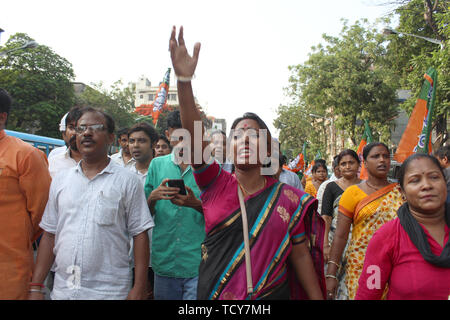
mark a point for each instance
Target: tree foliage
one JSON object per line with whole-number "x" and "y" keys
{"x": 117, "y": 101}
{"x": 39, "y": 81}
{"x": 345, "y": 79}
{"x": 410, "y": 57}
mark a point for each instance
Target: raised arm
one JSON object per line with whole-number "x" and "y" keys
{"x": 184, "y": 66}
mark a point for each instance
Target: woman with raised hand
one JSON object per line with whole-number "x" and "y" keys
{"x": 348, "y": 163}
{"x": 364, "y": 208}
{"x": 411, "y": 254}
{"x": 275, "y": 262}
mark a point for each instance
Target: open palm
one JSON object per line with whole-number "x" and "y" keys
{"x": 183, "y": 64}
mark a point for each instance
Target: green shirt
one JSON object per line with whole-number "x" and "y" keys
{"x": 179, "y": 231}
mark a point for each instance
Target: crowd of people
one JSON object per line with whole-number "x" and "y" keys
{"x": 146, "y": 224}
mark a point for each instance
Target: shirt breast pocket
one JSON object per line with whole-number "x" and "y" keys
{"x": 107, "y": 208}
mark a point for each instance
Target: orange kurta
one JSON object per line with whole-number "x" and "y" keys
{"x": 24, "y": 186}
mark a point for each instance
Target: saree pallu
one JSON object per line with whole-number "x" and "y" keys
{"x": 277, "y": 218}
{"x": 370, "y": 214}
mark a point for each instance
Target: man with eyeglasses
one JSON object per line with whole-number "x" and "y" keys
{"x": 93, "y": 210}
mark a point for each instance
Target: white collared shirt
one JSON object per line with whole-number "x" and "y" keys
{"x": 57, "y": 151}
{"x": 118, "y": 158}
{"x": 60, "y": 161}
{"x": 143, "y": 177}
{"x": 93, "y": 221}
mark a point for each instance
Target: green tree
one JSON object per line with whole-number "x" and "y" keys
{"x": 39, "y": 80}
{"x": 117, "y": 101}
{"x": 410, "y": 57}
{"x": 344, "y": 78}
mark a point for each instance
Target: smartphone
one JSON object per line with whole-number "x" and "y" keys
{"x": 177, "y": 183}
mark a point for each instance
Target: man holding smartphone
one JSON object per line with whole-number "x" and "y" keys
{"x": 179, "y": 223}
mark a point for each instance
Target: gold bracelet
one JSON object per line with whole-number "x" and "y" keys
{"x": 337, "y": 265}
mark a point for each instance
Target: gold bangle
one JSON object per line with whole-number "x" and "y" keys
{"x": 337, "y": 265}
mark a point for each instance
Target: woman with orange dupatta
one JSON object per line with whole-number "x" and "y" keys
{"x": 365, "y": 207}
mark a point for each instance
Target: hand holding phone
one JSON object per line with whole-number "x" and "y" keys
{"x": 177, "y": 183}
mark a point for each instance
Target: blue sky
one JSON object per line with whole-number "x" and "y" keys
{"x": 247, "y": 45}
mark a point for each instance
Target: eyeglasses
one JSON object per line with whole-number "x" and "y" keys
{"x": 95, "y": 128}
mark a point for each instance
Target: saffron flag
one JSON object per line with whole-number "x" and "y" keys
{"x": 160, "y": 102}
{"x": 298, "y": 164}
{"x": 417, "y": 135}
{"x": 161, "y": 97}
{"x": 366, "y": 138}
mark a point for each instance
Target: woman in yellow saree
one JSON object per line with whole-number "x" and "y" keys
{"x": 364, "y": 207}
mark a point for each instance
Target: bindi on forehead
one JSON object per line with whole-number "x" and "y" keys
{"x": 248, "y": 124}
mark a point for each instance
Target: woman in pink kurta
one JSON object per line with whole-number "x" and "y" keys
{"x": 411, "y": 254}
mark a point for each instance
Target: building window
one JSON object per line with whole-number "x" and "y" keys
{"x": 141, "y": 96}
{"x": 151, "y": 97}
{"x": 172, "y": 97}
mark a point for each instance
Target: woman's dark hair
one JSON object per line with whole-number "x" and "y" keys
{"x": 443, "y": 152}
{"x": 335, "y": 162}
{"x": 282, "y": 159}
{"x": 405, "y": 165}
{"x": 347, "y": 152}
{"x": 252, "y": 116}
{"x": 110, "y": 125}
{"x": 317, "y": 165}
{"x": 372, "y": 145}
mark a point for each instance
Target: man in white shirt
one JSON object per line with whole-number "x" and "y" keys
{"x": 287, "y": 176}
{"x": 62, "y": 129}
{"x": 142, "y": 137}
{"x": 63, "y": 161}
{"x": 92, "y": 211}
{"x": 71, "y": 156}
{"x": 123, "y": 157}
